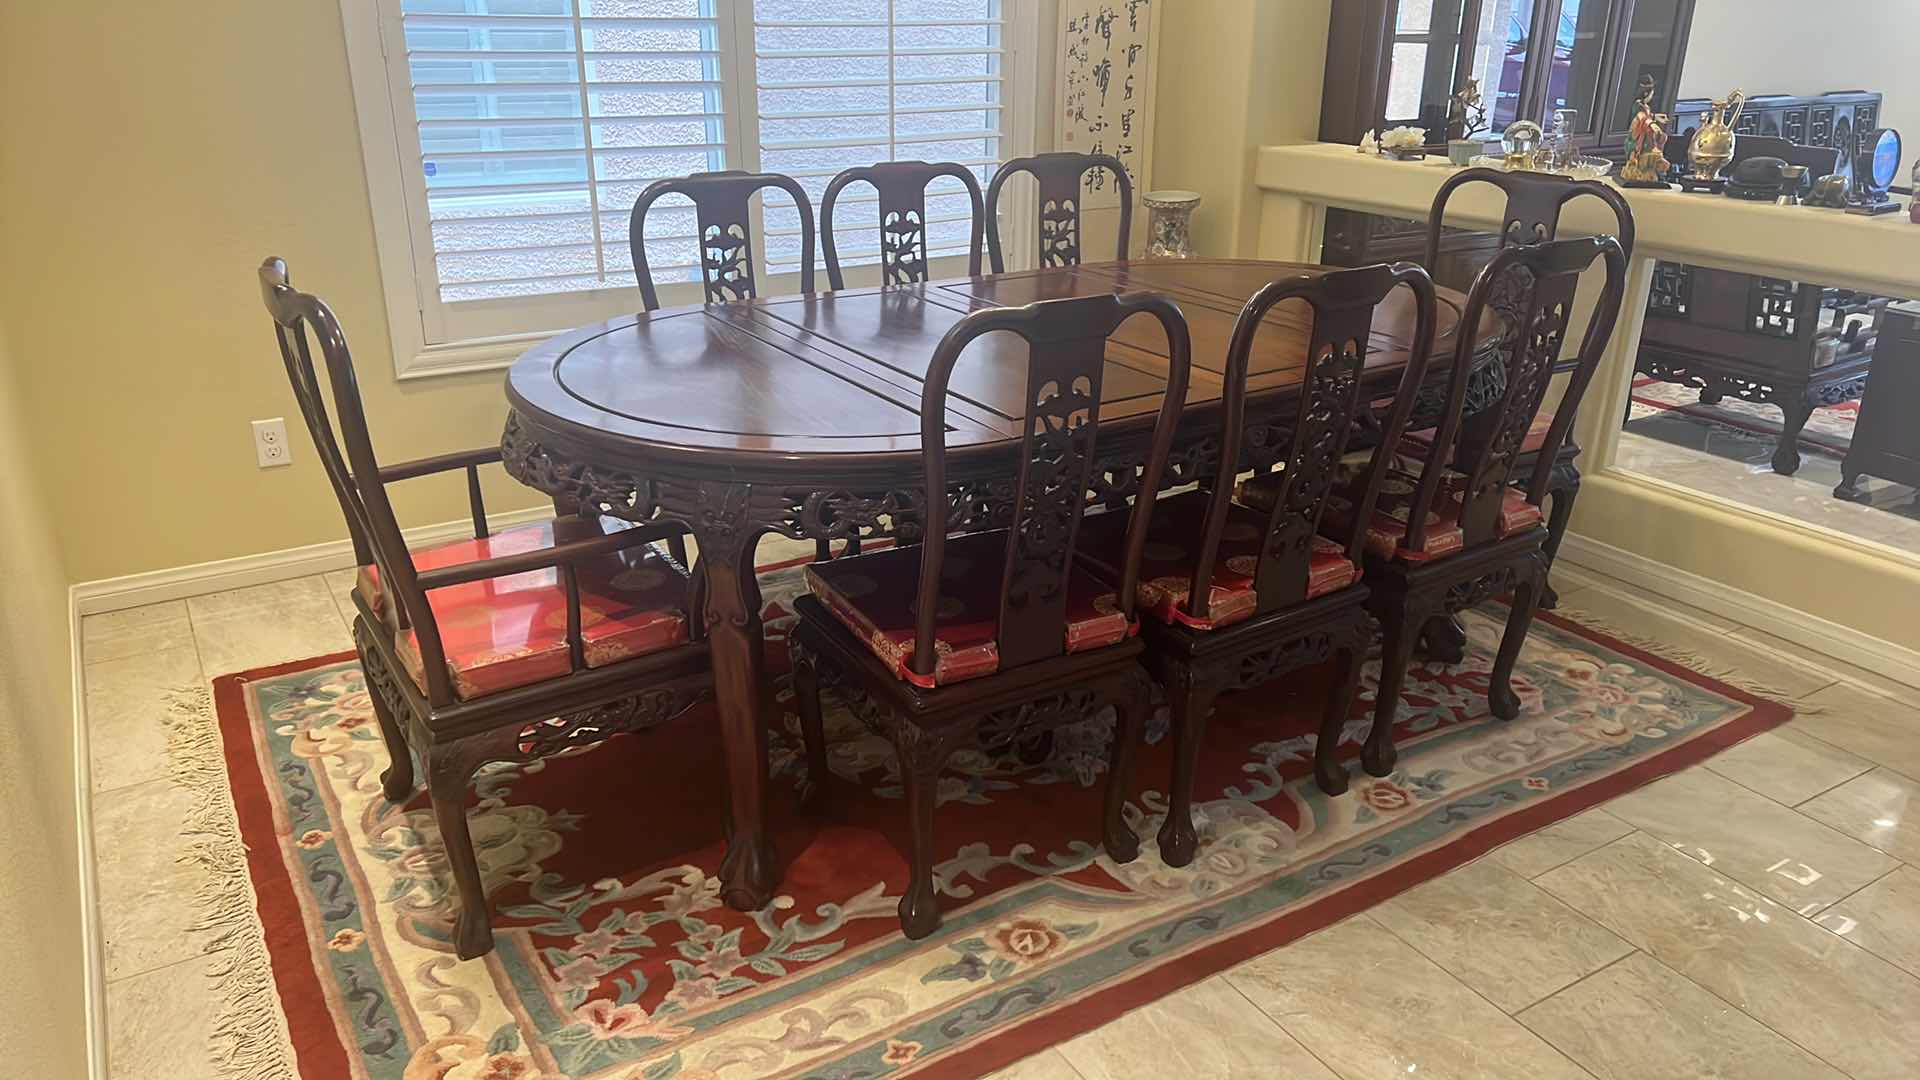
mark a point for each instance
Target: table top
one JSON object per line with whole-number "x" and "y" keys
{"x": 784, "y": 380}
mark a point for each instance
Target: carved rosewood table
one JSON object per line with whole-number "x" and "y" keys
{"x": 799, "y": 415}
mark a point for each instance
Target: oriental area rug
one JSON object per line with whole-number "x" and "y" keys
{"x": 1830, "y": 429}
{"x": 616, "y": 960}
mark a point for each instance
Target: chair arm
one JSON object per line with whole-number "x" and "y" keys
{"x": 542, "y": 559}
{"x": 427, "y": 466}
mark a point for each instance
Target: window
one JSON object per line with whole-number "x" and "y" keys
{"x": 507, "y": 140}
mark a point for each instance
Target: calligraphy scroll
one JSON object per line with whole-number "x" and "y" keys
{"x": 1106, "y": 88}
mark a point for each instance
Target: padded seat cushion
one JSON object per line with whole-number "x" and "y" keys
{"x": 512, "y": 631}
{"x": 1173, "y": 543}
{"x": 1444, "y": 534}
{"x": 873, "y": 595}
{"x": 1418, "y": 444}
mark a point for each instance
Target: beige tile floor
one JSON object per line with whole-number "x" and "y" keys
{"x": 1757, "y": 916}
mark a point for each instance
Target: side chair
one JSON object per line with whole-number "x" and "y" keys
{"x": 1237, "y": 597}
{"x": 725, "y": 225}
{"x": 902, "y": 188}
{"x": 511, "y": 646}
{"x": 1058, "y": 229}
{"x": 1448, "y": 538}
{"x": 993, "y": 637}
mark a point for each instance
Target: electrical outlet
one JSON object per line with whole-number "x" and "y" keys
{"x": 270, "y": 447}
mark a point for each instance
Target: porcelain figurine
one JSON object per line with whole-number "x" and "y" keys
{"x": 1646, "y": 165}
{"x": 1369, "y": 144}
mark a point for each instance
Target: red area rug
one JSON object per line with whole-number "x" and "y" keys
{"x": 615, "y": 958}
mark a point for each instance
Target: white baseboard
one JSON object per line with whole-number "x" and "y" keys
{"x": 1824, "y": 636}
{"x": 156, "y": 586}
{"x": 92, "y": 942}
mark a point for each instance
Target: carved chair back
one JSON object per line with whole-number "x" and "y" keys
{"x": 1342, "y": 304}
{"x": 1066, "y": 342}
{"x": 354, "y": 472}
{"x": 1061, "y": 176}
{"x": 902, "y": 187}
{"x": 1534, "y": 202}
{"x": 726, "y": 231}
{"x": 1532, "y": 289}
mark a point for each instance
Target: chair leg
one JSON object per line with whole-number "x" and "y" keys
{"x": 806, "y": 700}
{"x": 1396, "y": 653}
{"x": 1328, "y": 772}
{"x": 1526, "y": 593}
{"x": 1189, "y": 703}
{"x": 920, "y": 761}
{"x": 448, "y": 773}
{"x": 822, "y": 551}
{"x": 1564, "y": 494}
{"x": 1443, "y": 640}
{"x": 677, "y": 547}
{"x": 1129, "y": 724}
{"x": 397, "y": 782}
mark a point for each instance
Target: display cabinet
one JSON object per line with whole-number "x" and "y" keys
{"x": 1393, "y": 62}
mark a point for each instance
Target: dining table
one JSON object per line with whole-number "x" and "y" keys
{"x": 800, "y": 415}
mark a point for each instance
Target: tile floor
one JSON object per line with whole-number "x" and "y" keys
{"x": 1757, "y": 916}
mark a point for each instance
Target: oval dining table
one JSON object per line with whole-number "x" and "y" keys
{"x": 799, "y": 415}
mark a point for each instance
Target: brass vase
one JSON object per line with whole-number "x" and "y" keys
{"x": 1712, "y": 147}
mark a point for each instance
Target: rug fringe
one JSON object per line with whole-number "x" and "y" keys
{"x": 249, "y": 1040}
{"x": 1685, "y": 658}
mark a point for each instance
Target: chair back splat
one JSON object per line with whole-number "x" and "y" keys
{"x": 1342, "y": 305}
{"x": 1061, "y": 177}
{"x": 726, "y": 231}
{"x": 1534, "y": 203}
{"x": 1066, "y": 356}
{"x": 904, "y": 247}
{"x": 1531, "y": 290}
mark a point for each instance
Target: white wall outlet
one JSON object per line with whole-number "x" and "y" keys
{"x": 270, "y": 447}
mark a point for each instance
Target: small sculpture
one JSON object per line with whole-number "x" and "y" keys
{"x": 1712, "y": 147}
{"x": 1369, "y": 144}
{"x": 1466, "y": 118}
{"x": 1646, "y": 165}
{"x": 1404, "y": 143}
{"x": 1522, "y": 145}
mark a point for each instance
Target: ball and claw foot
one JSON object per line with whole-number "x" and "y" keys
{"x": 1178, "y": 842}
{"x": 472, "y": 935}
{"x": 1503, "y": 701}
{"x": 1379, "y": 757}
{"x": 397, "y": 782}
{"x": 1549, "y": 599}
{"x": 919, "y": 912}
{"x": 1331, "y": 776}
{"x": 1122, "y": 845}
{"x": 748, "y": 875}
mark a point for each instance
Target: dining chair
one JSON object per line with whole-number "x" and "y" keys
{"x": 1448, "y": 538}
{"x": 1237, "y": 597}
{"x": 725, "y": 227}
{"x": 511, "y": 646}
{"x": 1060, "y": 176}
{"x": 1534, "y": 204}
{"x": 992, "y": 636}
{"x": 902, "y": 188}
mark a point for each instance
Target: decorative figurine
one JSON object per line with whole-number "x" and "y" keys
{"x": 1647, "y": 165}
{"x": 1712, "y": 147}
{"x": 1404, "y": 143}
{"x": 1468, "y": 117}
{"x": 1557, "y": 151}
{"x": 1169, "y": 223}
{"x": 1830, "y": 192}
{"x": 1369, "y": 144}
{"x": 1522, "y": 145}
{"x": 1876, "y": 161}
{"x": 1757, "y": 179}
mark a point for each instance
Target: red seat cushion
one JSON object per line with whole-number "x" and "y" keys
{"x": 1444, "y": 535}
{"x": 511, "y": 541}
{"x": 1173, "y": 542}
{"x": 873, "y": 595}
{"x": 511, "y": 631}
{"x": 1420, "y": 443}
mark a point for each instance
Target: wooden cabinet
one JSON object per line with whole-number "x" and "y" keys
{"x": 1392, "y": 62}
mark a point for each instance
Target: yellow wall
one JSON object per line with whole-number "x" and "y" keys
{"x": 143, "y": 188}
{"x": 42, "y": 1026}
{"x": 1236, "y": 75}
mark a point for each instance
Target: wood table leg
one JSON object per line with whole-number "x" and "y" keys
{"x": 749, "y": 872}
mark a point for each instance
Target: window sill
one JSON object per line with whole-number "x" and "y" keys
{"x": 467, "y": 357}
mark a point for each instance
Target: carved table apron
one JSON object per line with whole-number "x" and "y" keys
{"x": 800, "y": 415}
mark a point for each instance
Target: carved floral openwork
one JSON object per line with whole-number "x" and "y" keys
{"x": 1054, "y": 490}
{"x": 1060, "y": 233}
{"x": 903, "y": 247}
{"x": 726, "y": 263}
